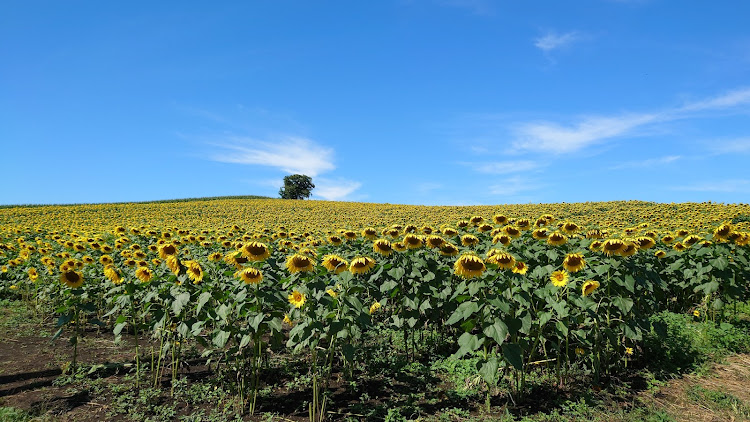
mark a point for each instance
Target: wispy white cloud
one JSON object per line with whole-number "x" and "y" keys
{"x": 647, "y": 163}
{"x": 513, "y": 186}
{"x": 553, "y": 41}
{"x": 553, "y": 137}
{"x": 504, "y": 167}
{"x": 732, "y": 146}
{"x": 290, "y": 154}
{"x": 728, "y": 186}
{"x": 730, "y": 99}
{"x": 334, "y": 189}
{"x": 428, "y": 187}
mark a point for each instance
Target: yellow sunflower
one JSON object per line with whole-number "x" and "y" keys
{"x": 71, "y": 278}
{"x": 369, "y": 233}
{"x": 173, "y": 264}
{"x": 557, "y": 239}
{"x": 412, "y": 241}
{"x": 255, "y": 251}
{"x": 144, "y": 274}
{"x": 399, "y": 246}
{"x": 502, "y": 259}
{"x": 589, "y": 286}
{"x": 374, "y": 307}
{"x": 299, "y": 263}
{"x": 469, "y": 240}
{"x": 297, "y": 299}
{"x": 361, "y": 265}
{"x": 194, "y": 271}
{"x": 249, "y": 275}
{"x": 111, "y": 273}
{"x": 612, "y": 246}
{"x": 559, "y": 278}
{"x": 434, "y": 241}
{"x": 660, "y": 254}
{"x": 448, "y": 249}
{"x": 468, "y": 266}
{"x": 167, "y": 249}
{"x": 335, "y": 263}
{"x": 383, "y": 247}
{"x": 574, "y": 262}
{"x": 502, "y": 239}
{"x": 520, "y": 268}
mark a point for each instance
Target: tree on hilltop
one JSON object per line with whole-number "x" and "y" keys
{"x": 296, "y": 186}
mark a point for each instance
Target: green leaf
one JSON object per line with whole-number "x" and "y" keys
{"x": 562, "y": 328}
{"x": 489, "y": 371}
{"x": 118, "y": 328}
{"x": 220, "y": 339}
{"x": 622, "y": 303}
{"x": 245, "y": 340}
{"x": 497, "y": 331}
{"x": 202, "y": 299}
{"x": 513, "y": 355}
{"x": 255, "y": 322}
{"x": 179, "y": 302}
{"x": 468, "y": 343}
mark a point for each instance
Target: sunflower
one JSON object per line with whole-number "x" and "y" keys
{"x": 596, "y": 245}
{"x": 173, "y": 264}
{"x": 335, "y": 240}
{"x": 71, "y": 278}
{"x": 383, "y": 247}
{"x": 361, "y": 265}
{"x": 288, "y": 321}
{"x": 589, "y": 286}
{"x": 612, "y": 246}
{"x": 399, "y": 246}
{"x": 216, "y": 256}
{"x": 297, "y": 299}
{"x": 33, "y": 274}
{"x": 540, "y": 233}
{"x": 448, "y": 249}
{"x": 468, "y": 266}
{"x": 679, "y": 247}
{"x": 660, "y": 254}
{"x": 332, "y": 293}
{"x": 574, "y": 262}
{"x": 449, "y": 231}
{"x": 502, "y": 239}
{"x": 476, "y": 220}
{"x": 594, "y": 234}
{"x": 520, "y": 267}
{"x": 111, "y": 273}
{"x": 630, "y": 249}
{"x": 374, "y": 307}
{"x": 502, "y": 259}
{"x": 167, "y": 249}
{"x": 469, "y": 240}
{"x": 255, "y": 251}
{"x": 512, "y": 231}
{"x": 691, "y": 239}
{"x": 249, "y": 275}
{"x": 500, "y": 219}
{"x": 412, "y": 241}
{"x": 559, "y": 278}
{"x": 569, "y": 227}
{"x": 369, "y": 233}
{"x": 350, "y": 235}
{"x": 194, "y": 271}
{"x": 299, "y": 263}
{"x": 144, "y": 274}
{"x": 434, "y": 241}
{"x": 668, "y": 239}
{"x": 557, "y": 239}
{"x": 645, "y": 242}
{"x": 335, "y": 263}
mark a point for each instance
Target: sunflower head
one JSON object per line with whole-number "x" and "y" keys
{"x": 297, "y": 299}
{"x": 589, "y": 286}
{"x": 469, "y": 240}
{"x": 559, "y": 278}
{"x": 434, "y": 241}
{"x": 412, "y": 241}
{"x": 612, "y": 246}
{"x": 574, "y": 262}
{"x": 557, "y": 239}
{"x": 660, "y": 254}
{"x": 502, "y": 239}
{"x": 335, "y": 263}
{"x": 502, "y": 259}
{"x": 468, "y": 266}
{"x": 72, "y": 279}
{"x": 194, "y": 271}
{"x": 249, "y": 275}
{"x": 369, "y": 233}
{"x": 167, "y": 249}
{"x": 448, "y": 249}
{"x": 144, "y": 274}
{"x": 361, "y": 265}
{"x": 383, "y": 247}
{"x": 299, "y": 263}
{"x": 255, "y": 251}
{"x": 520, "y": 267}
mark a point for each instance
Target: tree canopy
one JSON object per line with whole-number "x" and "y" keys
{"x": 296, "y": 186}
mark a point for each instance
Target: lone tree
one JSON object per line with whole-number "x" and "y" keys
{"x": 296, "y": 186}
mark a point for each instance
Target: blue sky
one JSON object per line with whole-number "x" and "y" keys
{"x": 435, "y": 102}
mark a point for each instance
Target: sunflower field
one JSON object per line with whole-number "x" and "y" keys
{"x": 519, "y": 287}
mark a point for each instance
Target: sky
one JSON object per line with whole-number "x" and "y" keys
{"x": 430, "y": 102}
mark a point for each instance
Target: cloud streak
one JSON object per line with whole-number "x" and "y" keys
{"x": 334, "y": 190}
{"x": 553, "y": 41}
{"x": 504, "y": 167}
{"x": 647, "y": 163}
{"x": 553, "y": 137}
{"x": 290, "y": 154}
